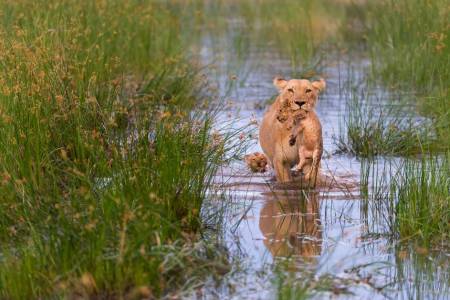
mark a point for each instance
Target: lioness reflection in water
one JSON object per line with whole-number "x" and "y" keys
{"x": 291, "y": 225}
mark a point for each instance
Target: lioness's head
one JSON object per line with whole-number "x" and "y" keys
{"x": 299, "y": 93}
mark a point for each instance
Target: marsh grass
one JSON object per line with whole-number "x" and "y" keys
{"x": 409, "y": 46}
{"x": 309, "y": 286}
{"x": 409, "y": 42}
{"x": 107, "y": 151}
{"x": 289, "y": 285}
{"x": 422, "y": 190}
{"x": 372, "y": 126}
{"x": 301, "y": 31}
{"x": 410, "y": 196}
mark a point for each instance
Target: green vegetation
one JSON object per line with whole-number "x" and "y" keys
{"x": 411, "y": 197}
{"x": 422, "y": 190}
{"x": 108, "y": 150}
{"x": 409, "y": 47}
{"x": 408, "y": 43}
{"x": 106, "y": 157}
{"x": 372, "y": 126}
{"x": 296, "y": 29}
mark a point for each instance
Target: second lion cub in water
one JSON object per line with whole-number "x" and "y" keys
{"x": 307, "y": 132}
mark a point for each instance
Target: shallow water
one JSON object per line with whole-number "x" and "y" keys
{"x": 270, "y": 229}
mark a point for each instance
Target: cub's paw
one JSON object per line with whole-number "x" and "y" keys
{"x": 298, "y": 169}
{"x": 256, "y": 162}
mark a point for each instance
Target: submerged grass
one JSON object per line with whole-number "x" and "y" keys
{"x": 295, "y": 282}
{"x": 106, "y": 155}
{"x": 420, "y": 273}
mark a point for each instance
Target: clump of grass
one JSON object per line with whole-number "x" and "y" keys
{"x": 422, "y": 190}
{"x": 288, "y": 288}
{"x": 106, "y": 154}
{"x": 372, "y": 129}
{"x": 409, "y": 198}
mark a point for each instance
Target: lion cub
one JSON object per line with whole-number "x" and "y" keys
{"x": 256, "y": 162}
{"x": 307, "y": 132}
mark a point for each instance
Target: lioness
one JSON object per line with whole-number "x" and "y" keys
{"x": 275, "y": 135}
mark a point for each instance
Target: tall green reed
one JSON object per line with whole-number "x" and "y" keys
{"x": 422, "y": 190}
{"x": 107, "y": 151}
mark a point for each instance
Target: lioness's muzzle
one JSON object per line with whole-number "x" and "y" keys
{"x": 300, "y": 103}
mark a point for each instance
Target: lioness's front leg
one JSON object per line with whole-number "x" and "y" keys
{"x": 282, "y": 170}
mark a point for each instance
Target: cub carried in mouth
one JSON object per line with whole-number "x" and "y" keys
{"x": 307, "y": 133}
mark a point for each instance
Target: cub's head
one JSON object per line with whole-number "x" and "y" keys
{"x": 256, "y": 162}
{"x": 299, "y": 93}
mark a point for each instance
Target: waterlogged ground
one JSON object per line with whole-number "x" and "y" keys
{"x": 331, "y": 240}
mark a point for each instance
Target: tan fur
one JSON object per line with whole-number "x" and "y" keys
{"x": 308, "y": 134}
{"x": 278, "y": 124}
{"x": 257, "y": 162}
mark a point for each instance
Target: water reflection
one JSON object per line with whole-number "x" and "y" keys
{"x": 291, "y": 224}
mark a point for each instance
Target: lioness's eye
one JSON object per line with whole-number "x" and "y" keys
{"x": 308, "y": 91}
{"x": 291, "y": 90}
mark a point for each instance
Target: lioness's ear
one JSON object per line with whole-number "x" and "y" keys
{"x": 319, "y": 85}
{"x": 280, "y": 83}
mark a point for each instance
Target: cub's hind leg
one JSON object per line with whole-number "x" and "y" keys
{"x": 301, "y": 164}
{"x": 304, "y": 157}
{"x": 313, "y": 171}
